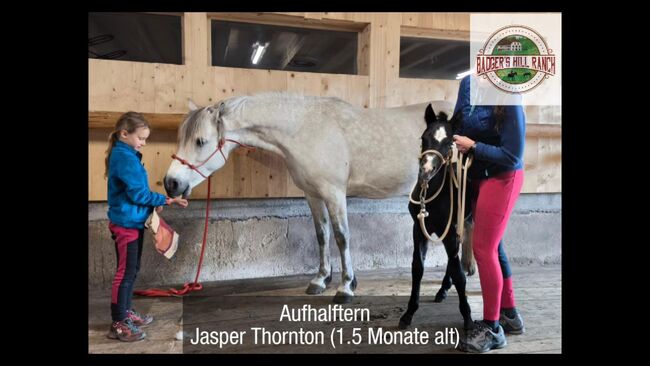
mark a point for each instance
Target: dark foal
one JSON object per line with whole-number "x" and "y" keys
{"x": 438, "y": 136}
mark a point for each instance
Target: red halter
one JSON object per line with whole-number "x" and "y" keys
{"x": 222, "y": 142}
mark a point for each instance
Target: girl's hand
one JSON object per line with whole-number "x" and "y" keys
{"x": 180, "y": 201}
{"x": 159, "y": 209}
{"x": 463, "y": 143}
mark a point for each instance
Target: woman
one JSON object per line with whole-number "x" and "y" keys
{"x": 496, "y": 136}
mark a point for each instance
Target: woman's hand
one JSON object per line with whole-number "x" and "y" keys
{"x": 463, "y": 143}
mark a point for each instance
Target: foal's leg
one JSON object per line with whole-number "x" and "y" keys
{"x": 338, "y": 211}
{"x": 458, "y": 277}
{"x": 322, "y": 224}
{"x": 446, "y": 285}
{"x": 417, "y": 270}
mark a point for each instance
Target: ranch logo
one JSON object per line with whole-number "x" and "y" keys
{"x": 515, "y": 59}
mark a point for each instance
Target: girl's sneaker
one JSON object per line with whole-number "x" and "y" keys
{"x": 126, "y": 331}
{"x": 139, "y": 319}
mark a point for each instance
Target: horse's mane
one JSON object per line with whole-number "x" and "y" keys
{"x": 282, "y": 97}
{"x": 188, "y": 130}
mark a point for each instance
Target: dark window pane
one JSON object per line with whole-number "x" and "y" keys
{"x": 135, "y": 37}
{"x": 286, "y": 48}
{"x": 427, "y": 58}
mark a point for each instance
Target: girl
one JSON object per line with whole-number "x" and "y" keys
{"x": 130, "y": 202}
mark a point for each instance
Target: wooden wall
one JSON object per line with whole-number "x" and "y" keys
{"x": 163, "y": 90}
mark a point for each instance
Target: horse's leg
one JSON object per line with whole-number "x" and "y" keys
{"x": 321, "y": 221}
{"x": 446, "y": 285}
{"x": 458, "y": 277}
{"x": 417, "y": 270}
{"x": 337, "y": 207}
{"x": 468, "y": 263}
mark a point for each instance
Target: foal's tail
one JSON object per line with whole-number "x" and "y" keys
{"x": 467, "y": 259}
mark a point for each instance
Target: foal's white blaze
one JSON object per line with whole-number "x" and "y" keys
{"x": 428, "y": 166}
{"x": 440, "y": 134}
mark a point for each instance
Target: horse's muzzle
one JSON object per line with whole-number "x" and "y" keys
{"x": 175, "y": 188}
{"x": 429, "y": 166}
{"x": 425, "y": 176}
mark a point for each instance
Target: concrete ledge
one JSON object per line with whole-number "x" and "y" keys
{"x": 275, "y": 237}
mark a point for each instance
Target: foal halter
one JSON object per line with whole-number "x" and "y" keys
{"x": 445, "y": 161}
{"x": 458, "y": 179}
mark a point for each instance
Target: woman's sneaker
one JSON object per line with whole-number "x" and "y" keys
{"x": 139, "y": 319}
{"x": 126, "y": 331}
{"x": 512, "y": 325}
{"x": 482, "y": 339}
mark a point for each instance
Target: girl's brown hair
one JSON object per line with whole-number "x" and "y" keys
{"x": 499, "y": 115}
{"x": 129, "y": 121}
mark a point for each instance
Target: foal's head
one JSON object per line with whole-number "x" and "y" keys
{"x": 436, "y": 142}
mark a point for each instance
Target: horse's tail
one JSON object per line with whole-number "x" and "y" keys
{"x": 467, "y": 259}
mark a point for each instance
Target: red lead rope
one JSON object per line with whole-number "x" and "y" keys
{"x": 191, "y": 286}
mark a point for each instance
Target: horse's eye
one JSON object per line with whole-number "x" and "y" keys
{"x": 200, "y": 142}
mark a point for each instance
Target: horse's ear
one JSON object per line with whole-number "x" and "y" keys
{"x": 456, "y": 122}
{"x": 429, "y": 115}
{"x": 191, "y": 104}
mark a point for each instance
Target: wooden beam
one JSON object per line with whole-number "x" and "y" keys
{"x": 458, "y": 35}
{"x": 170, "y": 121}
{"x": 363, "y": 52}
{"x": 163, "y": 121}
{"x": 543, "y": 130}
{"x": 290, "y": 21}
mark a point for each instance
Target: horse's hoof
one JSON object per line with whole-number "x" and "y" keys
{"x": 315, "y": 289}
{"x": 353, "y": 285}
{"x": 342, "y": 298}
{"x": 440, "y": 296}
{"x": 405, "y": 321}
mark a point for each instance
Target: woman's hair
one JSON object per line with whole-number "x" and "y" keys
{"x": 499, "y": 115}
{"x": 129, "y": 121}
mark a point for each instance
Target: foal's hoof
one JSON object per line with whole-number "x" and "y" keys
{"x": 440, "y": 296}
{"x": 314, "y": 289}
{"x": 405, "y": 321}
{"x": 353, "y": 285}
{"x": 342, "y": 298}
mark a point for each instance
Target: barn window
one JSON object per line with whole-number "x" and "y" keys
{"x": 428, "y": 58}
{"x": 261, "y": 46}
{"x": 135, "y": 37}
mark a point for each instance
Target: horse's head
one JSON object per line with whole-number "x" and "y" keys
{"x": 436, "y": 143}
{"x": 200, "y": 147}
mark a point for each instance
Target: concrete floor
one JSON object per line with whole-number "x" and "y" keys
{"x": 537, "y": 290}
